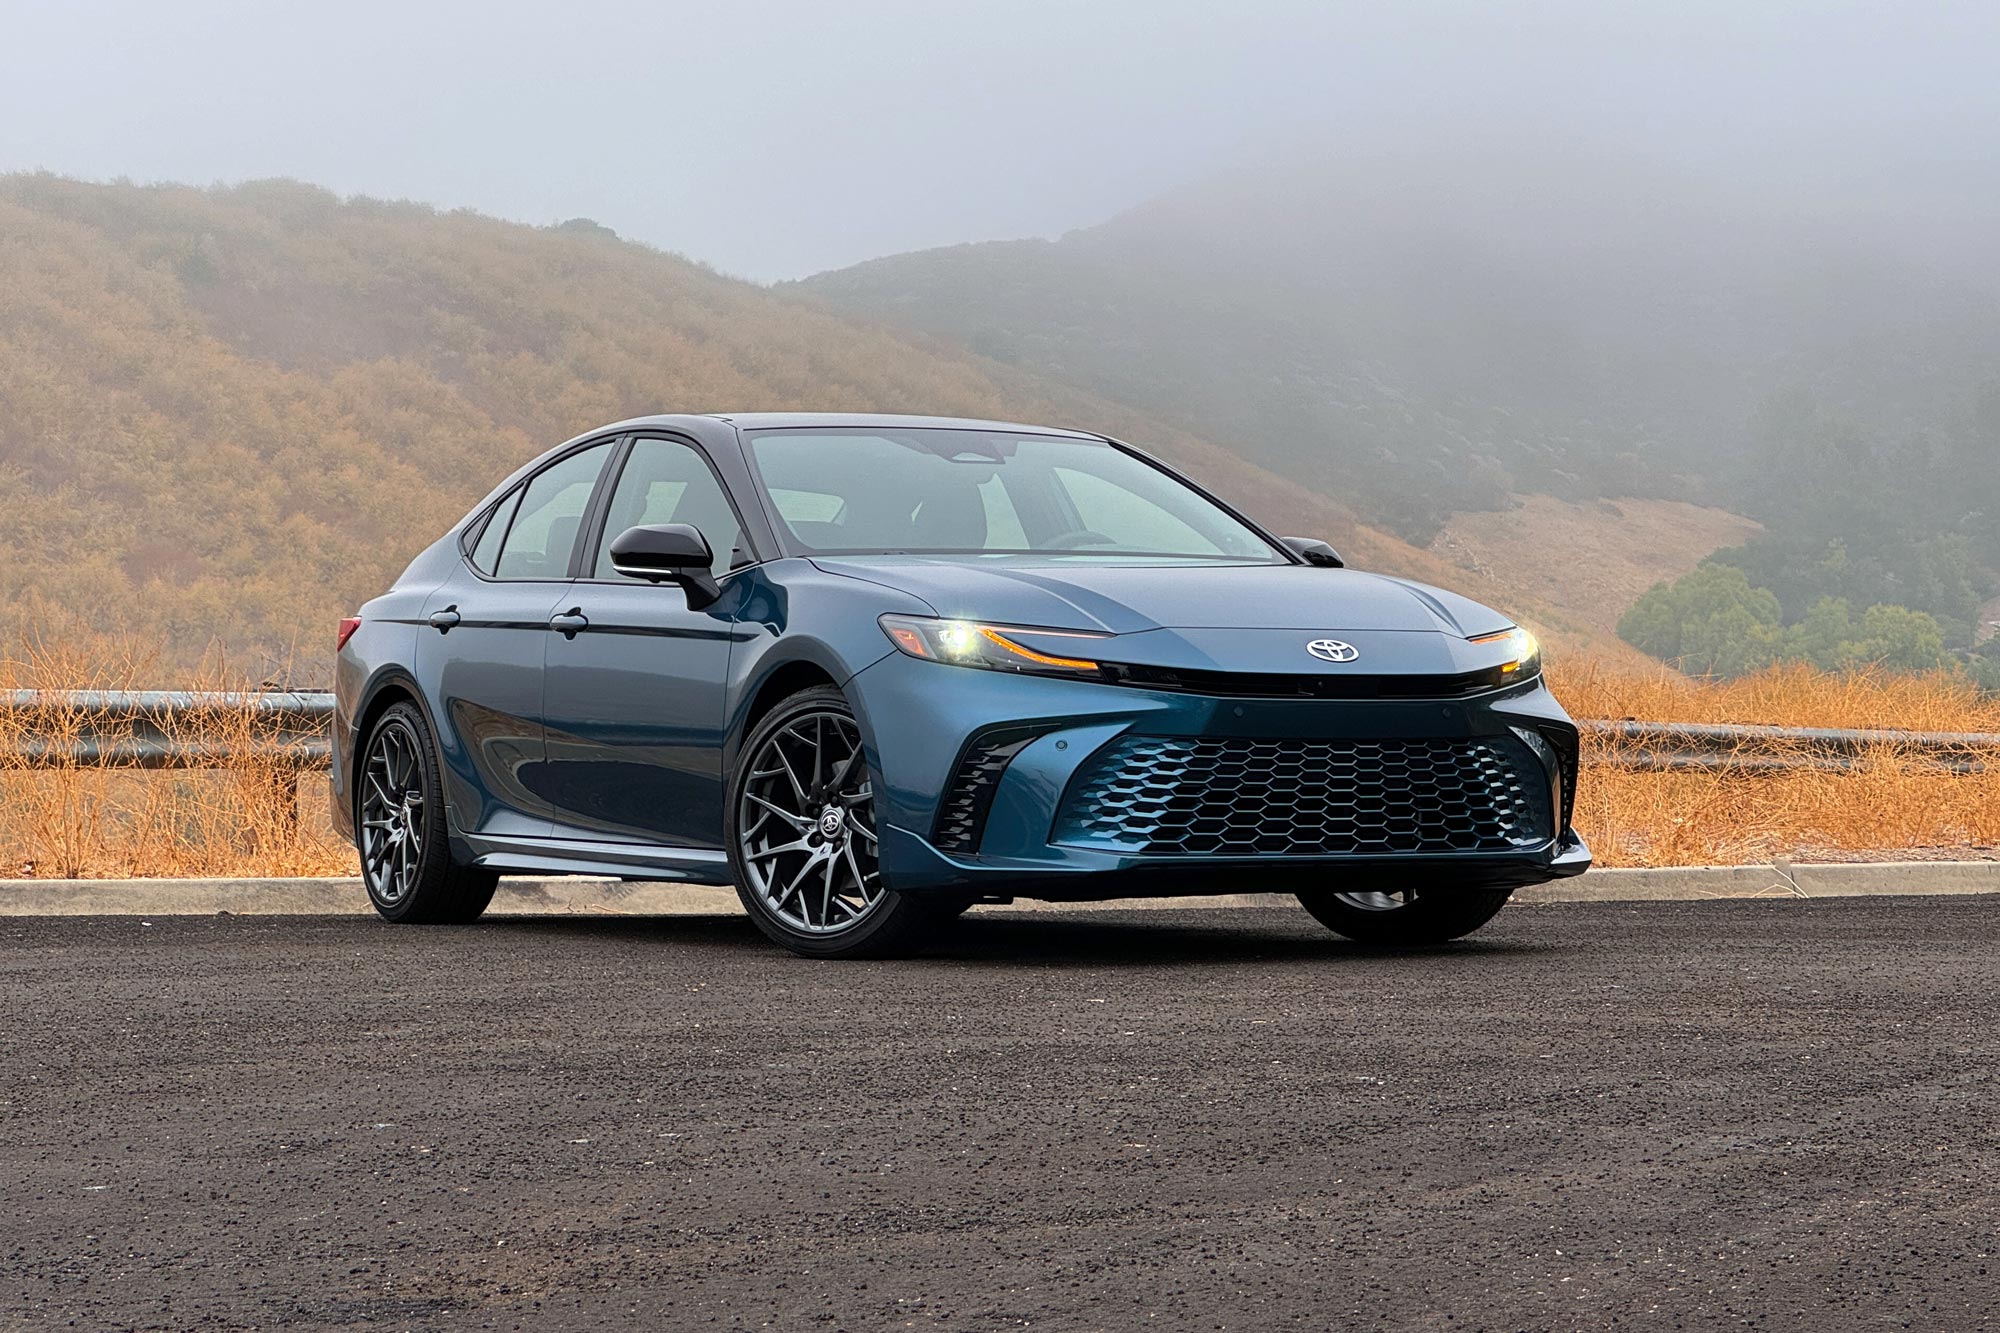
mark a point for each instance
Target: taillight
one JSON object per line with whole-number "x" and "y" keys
{"x": 347, "y": 628}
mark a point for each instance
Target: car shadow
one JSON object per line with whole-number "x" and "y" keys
{"x": 997, "y": 937}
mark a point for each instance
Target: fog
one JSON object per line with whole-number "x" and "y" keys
{"x": 774, "y": 140}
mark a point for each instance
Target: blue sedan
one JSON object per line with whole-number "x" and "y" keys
{"x": 873, "y": 670}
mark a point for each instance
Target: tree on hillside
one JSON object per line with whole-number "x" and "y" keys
{"x": 1715, "y": 622}
{"x": 1711, "y": 622}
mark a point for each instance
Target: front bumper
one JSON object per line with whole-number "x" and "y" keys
{"x": 920, "y": 717}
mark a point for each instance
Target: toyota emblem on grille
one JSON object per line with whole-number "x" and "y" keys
{"x": 1333, "y": 650}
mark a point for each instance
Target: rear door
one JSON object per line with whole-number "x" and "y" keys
{"x": 482, "y": 653}
{"x": 634, "y": 693}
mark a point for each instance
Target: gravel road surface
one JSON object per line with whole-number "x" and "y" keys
{"x": 1782, "y": 1115}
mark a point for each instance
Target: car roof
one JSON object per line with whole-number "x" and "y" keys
{"x": 853, "y": 420}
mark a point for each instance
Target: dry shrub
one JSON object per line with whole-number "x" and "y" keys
{"x": 262, "y": 813}
{"x": 1892, "y": 799}
{"x": 1783, "y": 696}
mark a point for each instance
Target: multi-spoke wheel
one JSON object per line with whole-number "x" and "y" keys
{"x": 392, "y": 814}
{"x": 802, "y": 834}
{"x": 399, "y": 809}
{"x": 1405, "y": 916}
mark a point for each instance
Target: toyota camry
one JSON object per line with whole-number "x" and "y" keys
{"x": 873, "y": 670}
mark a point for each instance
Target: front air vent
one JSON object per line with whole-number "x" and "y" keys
{"x": 1566, "y": 742}
{"x": 961, "y": 819}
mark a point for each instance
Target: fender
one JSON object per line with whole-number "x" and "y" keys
{"x": 386, "y": 676}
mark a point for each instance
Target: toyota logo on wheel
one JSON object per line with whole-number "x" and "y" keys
{"x": 1333, "y": 650}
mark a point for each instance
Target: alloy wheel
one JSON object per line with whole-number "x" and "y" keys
{"x": 392, "y": 814}
{"x": 1376, "y": 901}
{"x": 807, "y": 821}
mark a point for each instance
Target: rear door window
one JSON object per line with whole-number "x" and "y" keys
{"x": 543, "y": 535}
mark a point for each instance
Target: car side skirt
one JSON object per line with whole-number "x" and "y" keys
{"x": 561, "y": 856}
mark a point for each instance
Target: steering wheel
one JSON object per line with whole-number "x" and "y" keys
{"x": 1077, "y": 537}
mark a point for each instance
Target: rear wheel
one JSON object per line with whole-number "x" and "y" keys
{"x": 802, "y": 836}
{"x": 1405, "y": 916}
{"x": 405, "y": 853}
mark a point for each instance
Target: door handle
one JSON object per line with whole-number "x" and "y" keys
{"x": 442, "y": 621}
{"x": 569, "y": 622}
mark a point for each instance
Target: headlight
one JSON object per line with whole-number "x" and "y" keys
{"x": 1524, "y": 652}
{"x": 969, "y": 643}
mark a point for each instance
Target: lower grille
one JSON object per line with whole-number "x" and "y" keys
{"x": 1244, "y": 796}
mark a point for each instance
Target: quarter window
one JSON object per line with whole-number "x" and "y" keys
{"x": 545, "y": 527}
{"x": 487, "y": 549}
{"x": 665, "y": 481}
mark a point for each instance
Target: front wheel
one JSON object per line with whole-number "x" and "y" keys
{"x": 1405, "y": 916}
{"x": 802, "y": 836}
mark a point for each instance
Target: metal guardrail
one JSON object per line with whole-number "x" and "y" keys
{"x": 1706, "y": 746}
{"x": 186, "y": 729}
{"x": 164, "y": 728}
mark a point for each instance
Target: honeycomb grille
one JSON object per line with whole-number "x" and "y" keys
{"x": 1244, "y": 796}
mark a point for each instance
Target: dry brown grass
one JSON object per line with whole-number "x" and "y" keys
{"x": 265, "y": 817}
{"x": 1892, "y": 801}
{"x": 1786, "y": 696}
{"x": 258, "y": 816}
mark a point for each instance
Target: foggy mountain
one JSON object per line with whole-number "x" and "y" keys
{"x": 1423, "y": 331}
{"x": 233, "y": 414}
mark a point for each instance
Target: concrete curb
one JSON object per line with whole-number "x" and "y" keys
{"x": 610, "y": 897}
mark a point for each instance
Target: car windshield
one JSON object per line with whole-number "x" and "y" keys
{"x": 875, "y": 491}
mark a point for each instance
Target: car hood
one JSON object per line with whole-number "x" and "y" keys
{"x": 1131, "y": 597}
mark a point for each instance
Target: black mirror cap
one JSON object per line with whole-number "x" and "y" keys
{"x": 668, "y": 552}
{"x": 1314, "y": 552}
{"x": 660, "y": 550}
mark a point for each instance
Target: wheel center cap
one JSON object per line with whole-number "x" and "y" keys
{"x": 831, "y": 821}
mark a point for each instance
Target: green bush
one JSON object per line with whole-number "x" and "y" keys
{"x": 1711, "y": 622}
{"x": 1715, "y": 622}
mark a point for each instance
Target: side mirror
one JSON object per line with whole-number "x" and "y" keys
{"x": 1314, "y": 552}
{"x": 668, "y": 553}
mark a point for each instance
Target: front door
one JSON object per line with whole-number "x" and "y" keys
{"x": 633, "y": 691}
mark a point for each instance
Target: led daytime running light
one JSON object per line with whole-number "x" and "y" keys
{"x": 968, "y": 643}
{"x": 1527, "y": 649}
{"x": 1073, "y": 663}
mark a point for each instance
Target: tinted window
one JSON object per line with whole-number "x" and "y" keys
{"x": 665, "y": 481}
{"x": 987, "y": 492}
{"x": 543, "y": 533}
{"x": 487, "y": 549}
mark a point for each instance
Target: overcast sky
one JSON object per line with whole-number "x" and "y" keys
{"x": 777, "y": 139}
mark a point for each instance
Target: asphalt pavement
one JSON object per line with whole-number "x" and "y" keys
{"x": 1773, "y": 1114}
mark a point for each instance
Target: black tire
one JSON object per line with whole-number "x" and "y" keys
{"x": 1406, "y": 917}
{"x": 400, "y": 828}
{"x": 859, "y": 916}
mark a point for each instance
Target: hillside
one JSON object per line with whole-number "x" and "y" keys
{"x": 1612, "y": 550}
{"x": 1430, "y": 331}
{"x": 227, "y": 416}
